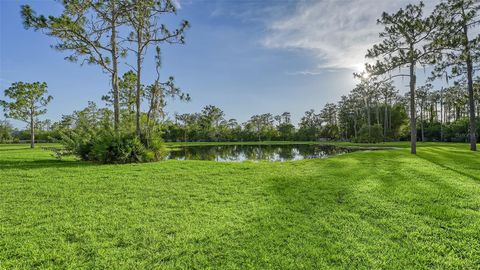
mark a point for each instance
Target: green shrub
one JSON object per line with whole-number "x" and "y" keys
{"x": 79, "y": 145}
{"x": 156, "y": 146}
{"x": 110, "y": 148}
{"x": 121, "y": 148}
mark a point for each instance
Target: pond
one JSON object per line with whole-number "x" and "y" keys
{"x": 260, "y": 152}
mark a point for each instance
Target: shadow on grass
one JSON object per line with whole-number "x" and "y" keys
{"x": 451, "y": 169}
{"x": 42, "y": 164}
{"x": 6, "y": 149}
{"x": 360, "y": 205}
{"x": 461, "y": 160}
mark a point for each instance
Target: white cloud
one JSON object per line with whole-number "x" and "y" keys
{"x": 305, "y": 72}
{"x": 337, "y": 32}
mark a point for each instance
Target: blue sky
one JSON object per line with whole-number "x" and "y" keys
{"x": 247, "y": 57}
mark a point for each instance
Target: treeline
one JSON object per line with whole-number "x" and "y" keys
{"x": 367, "y": 114}
{"x": 360, "y": 116}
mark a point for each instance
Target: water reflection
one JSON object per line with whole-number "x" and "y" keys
{"x": 257, "y": 152}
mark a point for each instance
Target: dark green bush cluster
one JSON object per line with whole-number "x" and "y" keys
{"x": 90, "y": 136}
{"x": 112, "y": 148}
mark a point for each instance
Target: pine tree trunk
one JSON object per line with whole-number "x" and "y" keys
{"x": 113, "y": 43}
{"x": 139, "y": 84}
{"x": 413, "y": 120}
{"x": 421, "y": 124}
{"x": 369, "y": 119}
{"x": 441, "y": 115}
{"x": 385, "y": 120}
{"x": 32, "y": 132}
{"x": 355, "y": 127}
{"x": 471, "y": 101}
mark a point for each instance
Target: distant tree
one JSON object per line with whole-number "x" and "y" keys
{"x": 329, "y": 114}
{"x": 286, "y": 131}
{"x": 262, "y": 126}
{"x": 185, "y": 120}
{"x": 127, "y": 92}
{"x": 286, "y": 118}
{"x": 309, "y": 127}
{"x": 27, "y": 102}
{"x": 211, "y": 117}
{"x": 44, "y": 125}
{"x": 233, "y": 129}
{"x": 6, "y": 130}
{"x": 144, "y": 19}
{"x": 157, "y": 93}
{"x": 422, "y": 101}
{"x": 403, "y": 45}
{"x": 459, "y": 49}
{"x": 388, "y": 92}
{"x": 278, "y": 119}
{"x": 89, "y": 30}
{"x": 350, "y": 114}
{"x": 367, "y": 89}
{"x": 232, "y": 123}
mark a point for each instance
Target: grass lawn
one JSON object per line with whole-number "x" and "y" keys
{"x": 379, "y": 209}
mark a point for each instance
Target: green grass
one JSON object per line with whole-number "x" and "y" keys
{"x": 376, "y": 209}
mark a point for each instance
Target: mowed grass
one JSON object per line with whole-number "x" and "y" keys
{"x": 376, "y": 209}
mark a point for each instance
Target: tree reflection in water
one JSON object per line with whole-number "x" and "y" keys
{"x": 257, "y": 152}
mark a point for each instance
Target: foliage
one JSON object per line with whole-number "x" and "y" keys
{"x": 403, "y": 44}
{"x": 457, "y": 49}
{"x": 127, "y": 87}
{"x": 144, "y": 17}
{"x": 88, "y": 31}
{"x": 27, "y": 102}
{"x": 112, "y": 148}
{"x": 373, "y": 134}
{"x": 6, "y": 130}
{"x": 101, "y": 32}
{"x": 118, "y": 148}
{"x": 89, "y": 135}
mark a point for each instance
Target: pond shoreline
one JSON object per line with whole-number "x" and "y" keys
{"x": 266, "y": 152}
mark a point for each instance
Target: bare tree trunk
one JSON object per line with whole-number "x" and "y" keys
{"x": 113, "y": 42}
{"x": 471, "y": 101}
{"x": 32, "y": 131}
{"x": 139, "y": 84}
{"x": 355, "y": 127}
{"x": 390, "y": 116}
{"x": 413, "y": 120}
{"x": 369, "y": 119}
{"x": 385, "y": 120}
{"x": 441, "y": 115}
{"x": 421, "y": 122}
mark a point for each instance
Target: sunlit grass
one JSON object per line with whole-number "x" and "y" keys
{"x": 374, "y": 209}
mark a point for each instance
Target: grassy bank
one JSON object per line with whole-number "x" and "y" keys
{"x": 375, "y": 209}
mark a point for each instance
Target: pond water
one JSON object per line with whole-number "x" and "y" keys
{"x": 258, "y": 152}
